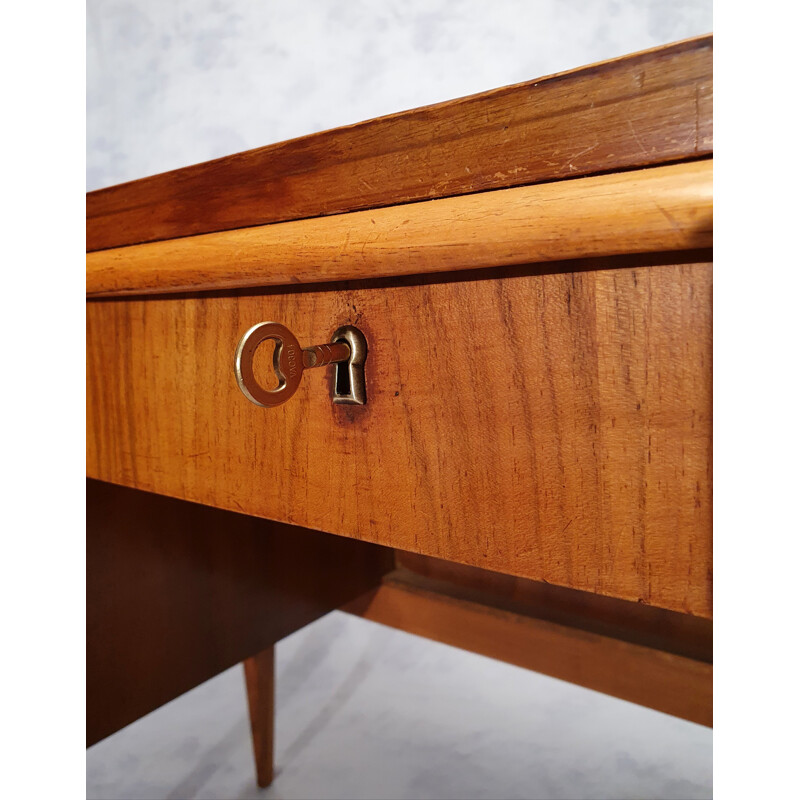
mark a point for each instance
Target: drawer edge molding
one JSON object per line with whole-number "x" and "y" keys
{"x": 659, "y": 209}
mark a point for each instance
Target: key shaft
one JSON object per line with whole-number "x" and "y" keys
{"x": 321, "y": 354}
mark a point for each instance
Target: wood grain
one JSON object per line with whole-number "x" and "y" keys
{"x": 647, "y": 108}
{"x": 664, "y": 681}
{"x": 637, "y": 623}
{"x": 553, "y": 426}
{"x": 259, "y": 672}
{"x": 657, "y": 209}
{"x": 177, "y": 592}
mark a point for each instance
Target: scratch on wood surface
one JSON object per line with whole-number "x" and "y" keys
{"x": 672, "y": 221}
{"x": 347, "y": 241}
{"x": 583, "y": 152}
{"x": 696, "y": 118}
{"x": 636, "y": 136}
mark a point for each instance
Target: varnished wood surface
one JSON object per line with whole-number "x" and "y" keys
{"x": 259, "y": 671}
{"x": 177, "y": 592}
{"x": 656, "y": 628}
{"x": 647, "y": 108}
{"x": 554, "y": 426}
{"x": 663, "y": 681}
{"x": 652, "y": 210}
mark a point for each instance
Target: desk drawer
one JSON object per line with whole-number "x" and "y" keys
{"x": 550, "y": 425}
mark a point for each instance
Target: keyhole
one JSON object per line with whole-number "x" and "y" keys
{"x": 263, "y": 369}
{"x": 342, "y": 380}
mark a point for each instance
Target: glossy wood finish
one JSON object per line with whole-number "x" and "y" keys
{"x": 554, "y": 426}
{"x": 652, "y": 210}
{"x": 178, "y": 592}
{"x": 259, "y": 672}
{"x": 664, "y": 681}
{"x": 648, "y": 108}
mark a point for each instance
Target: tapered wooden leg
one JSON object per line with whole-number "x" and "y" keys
{"x": 259, "y": 673}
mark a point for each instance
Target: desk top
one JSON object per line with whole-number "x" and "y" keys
{"x": 652, "y": 107}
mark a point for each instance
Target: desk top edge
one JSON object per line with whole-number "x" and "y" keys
{"x": 647, "y": 108}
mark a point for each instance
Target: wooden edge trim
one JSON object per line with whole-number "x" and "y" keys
{"x": 647, "y": 108}
{"x": 670, "y": 631}
{"x": 663, "y": 681}
{"x": 658, "y": 209}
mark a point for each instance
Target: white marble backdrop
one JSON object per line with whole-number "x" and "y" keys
{"x": 363, "y": 711}
{"x": 176, "y": 82}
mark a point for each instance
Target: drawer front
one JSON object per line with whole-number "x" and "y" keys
{"x": 551, "y": 426}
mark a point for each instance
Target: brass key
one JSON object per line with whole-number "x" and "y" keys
{"x": 348, "y": 349}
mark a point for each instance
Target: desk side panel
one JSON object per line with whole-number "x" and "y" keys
{"x": 178, "y": 592}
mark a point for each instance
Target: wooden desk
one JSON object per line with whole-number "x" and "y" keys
{"x": 531, "y": 475}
